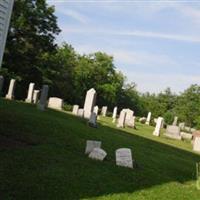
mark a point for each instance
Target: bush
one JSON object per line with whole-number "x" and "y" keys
{"x": 67, "y": 107}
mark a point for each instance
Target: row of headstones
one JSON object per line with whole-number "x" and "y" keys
{"x": 123, "y": 155}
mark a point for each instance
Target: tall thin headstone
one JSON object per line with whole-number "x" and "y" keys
{"x": 121, "y": 120}
{"x": 29, "y": 98}
{"x": 1, "y": 84}
{"x": 104, "y": 111}
{"x": 148, "y": 118}
{"x": 114, "y": 116}
{"x": 43, "y": 97}
{"x": 90, "y": 101}
{"x": 11, "y": 90}
{"x": 35, "y": 96}
{"x": 175, "y": 121}
{"x": 158, "y": 126}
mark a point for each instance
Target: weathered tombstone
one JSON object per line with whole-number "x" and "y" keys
{"x": 124, "y": 157}
{"x": 35, "y": 96}
{"x": 158, "y": 126}
{"x": 1, "y": 84}
{"x": 93, "y": 120}
{"x": 96, "y": 110}
{"x": 175, "y": 121}
{"x": 81, "y": 112}
{"x": 29, "y": 98}
{"x": 43, "y": 97}
{"x": 129, "y": 115}
{"x": 75, "y": 109}
{"x": 104, "y": 111}
{"x": 90, "y": 101}
{"x": 91, "y": 144}
{"x": 196, "y": 144}
{"x": 186, "y": 136}
{"x": 10, "y": 94}
{"x": 182, "y": 125}
{"x": 55, "y": 103}
{"x": 97, "y": 154}
{"x": 114, "y": 116}
{"x": 131, "y": 122}
{"x": 121, "y": 120}
{"x": 148, "y": 119}
{"x": 173, "y": 132}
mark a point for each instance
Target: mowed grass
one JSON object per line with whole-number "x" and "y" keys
{"x": 42, "y": 157}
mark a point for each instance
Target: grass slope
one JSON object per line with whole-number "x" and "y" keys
{"x": 42, "y": 157}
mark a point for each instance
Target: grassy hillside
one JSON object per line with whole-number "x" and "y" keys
{"x": 42, "y": 157}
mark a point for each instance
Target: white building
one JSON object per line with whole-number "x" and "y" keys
{"x": 5, "y": 14}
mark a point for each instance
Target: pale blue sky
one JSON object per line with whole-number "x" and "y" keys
{"x": 156, "y": 44}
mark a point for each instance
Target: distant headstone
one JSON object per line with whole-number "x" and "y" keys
{"x": 142, "y": 120}
{"x": 1, "y": 84}
{"x": 55, "y": 103}
{"x": 97, "y": 154}
{"x": 158, "y": 126}
{"x": 148, "y": 118}
{"x": 35, "y": 96}
{"x": 186, "y": 136}
{"x": 43, "y": 97}
{"x": 175, "y": 121}
{"x": 182, "y": 125}
{"x": 80, "y": 112}
{"x": 91, "y": 144}
{"x": 121, "y": 120}
{"x": 29, "y": 98}
{"x": 96, "y": 110}
{"x": 124, "y": 157}
{"x": 196, "y": 144}
{"x": 173, "y": 132}
{"x": 90, "y": 101}
{"x": 114, "y": 116}
{"x": 93, "y": 120}
{"x": 11, "y": 90}
{"x": 104, "y": 111}
{"x": 75, "y": 109}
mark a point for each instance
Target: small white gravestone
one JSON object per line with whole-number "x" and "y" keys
{"x": 10, "y": 94}
{"x": 29, "y": 98}
{"x": 75, "y": 109}
{"x": 121, "y": 120}
{"x": 1, "y": 84}
{"x": 131, "y": 122}
{"x": 186, "y": 136}
{"x": 114, "y": 116}
{"x": 43, "y": 97}
{"x": 182, "y": 125}
{"x": 91, "y": 144}
{"x": 90, "y": 101}
{"x": 104, "y": 111}
{"x": 158, "y": 126}
{"x": 96, "y": 110}
{"x": 196, "y": 144}
{"x": 148, "y": 119}
{"x": 173, "y": 132}
{"x": 35, "y": 96}
{"x": 124, "y": 157}
{"x": 80, "y": 112}
{"x": 175, "y": 121}
{"x": 55, "y": 103}
{"x": 129, "y": 115}
{"x": 93, "y": 120}
{"x": 97, "y": 154}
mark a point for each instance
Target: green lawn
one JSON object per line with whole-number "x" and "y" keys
{"x": 42, "y": 157}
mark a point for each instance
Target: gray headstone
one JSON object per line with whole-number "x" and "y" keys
{"x": 91, "y": 144}
{"x": 75, "y": 109}
{"x": 11, "y": 90}
{"x": 124, "y": 157}
{"x": 55, "y": 103}
{"x": 173, "y": 132}
{"x": 104, "y": 111}
{"x": 1, "y": 84}
{"x": 35, "y": 96}
{"x": 43, "y": 97}
{"x": 97, "y": 154}
{"x": 90, "y": 101}
{"x": 158, "y": 126}
{"x": 121, "y": 120}
{"x": 93, "y": 120}
{"x": 29, "y": 98}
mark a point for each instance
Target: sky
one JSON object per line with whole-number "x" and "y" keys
{"x": 156, "y": 44}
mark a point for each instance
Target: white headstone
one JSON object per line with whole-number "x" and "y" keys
{"x": 55, "y": 103}
{"x": 129, "y": 115}
{"x": 90, "y": 101}
{"x": 104, "y": 111}
{"x": 196, "y": 144}
{"x": 131, "y": 122}
{"x": 124, "y": 157}
{"x": 35, "y": 96}
{"x": 75, "y": 109}
{"x": 29, "y": 98}
{"x": 97, "y": 154}
{"x": 114, "y": 116}
{"x": 5, "y": 15}
{"x": 96, "y": 110}
{"x": 10, "y": 94}
{"x": 1, "y": 84}
{"x": 173, "y": 132}
{"x": 121, "y": 120}
{"x": 182, "y": 125}
{"x": 91, "y": 144}
{"x": 148, "y": 119}
{"x": 93, "y": 120}
{"x": 43, "y": 97}
{"x": 80, "y": 112}
{"x": 175, "y": 121}
{"x": 158, "y": 126}
{"x": 187, "y": 136}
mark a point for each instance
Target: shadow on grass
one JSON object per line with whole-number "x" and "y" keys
{"x": 57, "y": 168}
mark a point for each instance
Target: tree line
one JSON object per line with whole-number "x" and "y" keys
{"x": 32, "y": 55}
